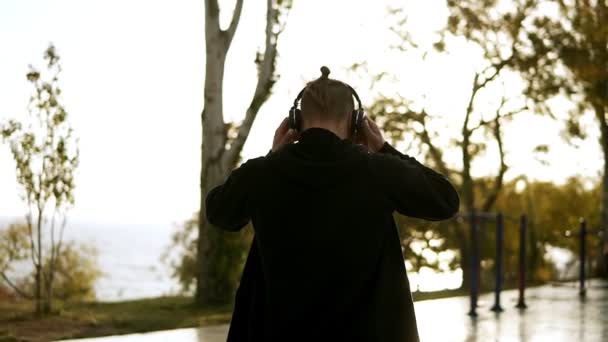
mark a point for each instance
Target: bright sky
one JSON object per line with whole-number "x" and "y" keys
{"x": 133, "y": 85}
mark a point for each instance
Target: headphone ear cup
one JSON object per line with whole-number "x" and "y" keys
{"x": 292, "y": 119}
{"x": 295, "y": 118}
{"x": 357, "y": 120}
{"x": 298, "y": 119}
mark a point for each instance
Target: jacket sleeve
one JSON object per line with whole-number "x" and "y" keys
{"x": 227, "y": 205}
{"x": 411, "y": 188}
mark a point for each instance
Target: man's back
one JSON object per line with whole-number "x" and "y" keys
{"x": 326, "y": 261}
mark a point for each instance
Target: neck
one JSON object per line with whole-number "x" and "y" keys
{"x": 338, "y": 128}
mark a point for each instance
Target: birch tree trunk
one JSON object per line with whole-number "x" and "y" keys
{"x": 219, "y": 253}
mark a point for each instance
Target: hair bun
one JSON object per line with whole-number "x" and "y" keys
{"x": 324, "y": 72}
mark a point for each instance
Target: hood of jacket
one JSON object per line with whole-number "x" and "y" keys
{"x": 319, "y": 158}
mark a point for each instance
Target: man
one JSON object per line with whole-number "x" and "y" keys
{"x": 326, "y": 262}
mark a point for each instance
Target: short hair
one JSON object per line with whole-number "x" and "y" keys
{"x": 327, "y": 98}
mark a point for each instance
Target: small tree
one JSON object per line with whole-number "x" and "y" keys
{"x": 14, "y": 245}
{"x": 76, "y": 268}
{"x": 46, "y": 155}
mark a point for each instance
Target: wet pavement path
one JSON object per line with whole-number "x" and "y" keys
{"x": 554, "y": 313}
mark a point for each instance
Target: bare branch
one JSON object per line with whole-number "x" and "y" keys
{"x": 484, "y": 123}
{"x": 467, "y": 181}
{"x": 435, "y": 153}
{"x": 28, "y": 219}
{"x": 234, "y": 23}
{"x": 502, "y": 169}
{"x": 498, "y": 180}
{"x": 56, "y": 247}
{"x": 496, "y": 69}
{"x": 59, "y": 242}
{"x": 478, "y": 85}
{"x": 212, "y": 18}
{"x": 53, "y": 251}
{"x": 262, "y": 90}
{"x": 600, "y": 113}
{"x": 212, "y": 9}
{"x": 14, "y": 287}
{"x": 470, "y": 107}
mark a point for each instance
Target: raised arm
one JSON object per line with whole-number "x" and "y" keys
{"x": 411, "y": 188}
{"x": 408, "y": 186}
{"x": 227, "y": 204}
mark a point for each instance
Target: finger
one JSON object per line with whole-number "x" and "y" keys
{"x": 289, "y": 137}
{"x": 283, "y": 127}
{"x": 280, "y": 132}
{"x": 367, "y": 130}
{"x": 369, "y": 123}
{"x": 374, "y": 127}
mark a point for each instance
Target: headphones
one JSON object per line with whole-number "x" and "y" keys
{"x": 357, "y": 116}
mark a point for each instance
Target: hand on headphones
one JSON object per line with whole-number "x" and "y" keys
{"x": 370, "y": 135}
{"x": 284, "y": 135}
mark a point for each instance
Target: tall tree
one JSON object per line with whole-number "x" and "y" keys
{"x": 577, "y": 40}
{"x": 477, "y": 129}
{"x": 219, "y": 254}
{"x": 561, "y": 50}
{"x": 46, "y": 155}
{"x": 496, "y": 34}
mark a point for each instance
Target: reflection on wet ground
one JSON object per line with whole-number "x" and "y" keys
{"x": 554, "y": 313}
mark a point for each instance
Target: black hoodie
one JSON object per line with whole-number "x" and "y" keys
{"x": 326, "y": 261}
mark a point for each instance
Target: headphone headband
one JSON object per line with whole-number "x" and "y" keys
{"x": 301, "y": 93}
{"x": 299, "y": 97}
{"x": 359, "y": 106}
{"x": 357, "y": 115}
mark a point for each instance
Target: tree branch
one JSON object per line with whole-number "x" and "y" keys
{"x": 56, "y": 245}
{"x": 234, "y": 23}
{"x": 484, "y": 123}
{"x": 212, "y": 18}
{"x": 212, "y": 9}
{"x": 262, "y": 90}
{"x": 10, "y": 259}
{"x": 433, "y": 150}
{"x": 14, "y": 287}
{"x": 467, "y": 182}
{"x": 53, "y": 250}
{"x": 498, "y": 180}
{"x": 497, "y": 69}
{"x": 470, "y": 107}
{"x": 600, "y": 114}
{"x": 28, "y": 219}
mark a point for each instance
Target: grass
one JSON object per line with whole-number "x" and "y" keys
{"x": 74, "y": 320}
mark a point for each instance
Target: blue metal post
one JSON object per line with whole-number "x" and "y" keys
{"x": 499, "y": 261}
{"x": 474, "y": 264}
{"x": 523, "y": 225}
{"x": 583, "y": 254}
